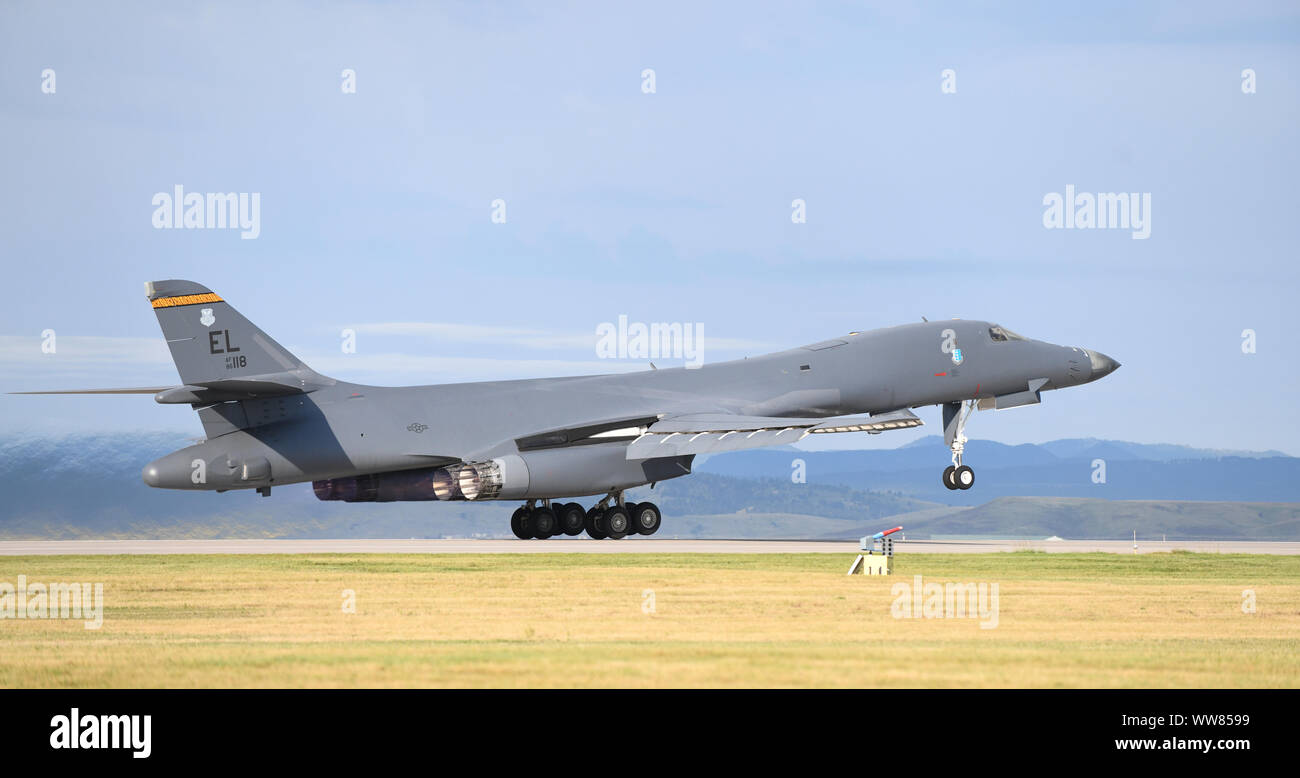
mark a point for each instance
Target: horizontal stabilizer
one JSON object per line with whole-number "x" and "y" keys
{"x": 128, "y": 390}
{"x": 707, "y": 433}
{"x": 220, "y": 390}
{"x": 209, "y": 392}
{"x": 223, "y": 359}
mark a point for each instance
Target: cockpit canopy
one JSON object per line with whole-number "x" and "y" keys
{"x": 1000, "y": 334}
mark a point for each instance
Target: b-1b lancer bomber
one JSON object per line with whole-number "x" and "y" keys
{"x": 271, "y": 420}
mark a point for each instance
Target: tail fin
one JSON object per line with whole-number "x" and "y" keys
{"x": 210, "y": 341}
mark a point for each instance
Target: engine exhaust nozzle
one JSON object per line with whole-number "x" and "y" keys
{"x": 480, "y": 480}
{"x": 446, "y": 483}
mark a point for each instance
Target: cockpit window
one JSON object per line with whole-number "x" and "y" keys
{"x": 1002, "y": 334}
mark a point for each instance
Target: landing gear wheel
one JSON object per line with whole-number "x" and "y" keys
{"x": 570, "y": 518}
{"x": 645, "y": 518}
{"x": 543, "y": 523}
{"x": 520, "y": 525}
{"x": 963, "y": 477}
{"x": 595, "y": 524}
{"x": 955, "y": 416}
{"x": 617, "y": 522}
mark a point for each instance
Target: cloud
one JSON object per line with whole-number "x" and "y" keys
{"x": 79, "y": 353}
{"x": 527, "y": 338}
{"x": 136, "y": 361}
{"x": 476, "y": 333}
{"x": 391, "y": 368}
{"x": 26, "y": 349}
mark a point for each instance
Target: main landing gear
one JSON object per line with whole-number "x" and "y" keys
{"x": 604, "y": 520}
{"x": 955, "y": 416}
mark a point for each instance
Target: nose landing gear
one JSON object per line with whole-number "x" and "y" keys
{"x": 955, "y": 416}
{"x": 958, "y": 477}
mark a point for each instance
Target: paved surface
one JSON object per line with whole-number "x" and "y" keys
{"x": 626, "y": 546}
{"x": 1109, "y": 546}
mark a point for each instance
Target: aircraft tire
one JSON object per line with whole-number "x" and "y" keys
{"x": 643, "y": 524}
{"x": 570, "y": 519}
{"x": 617, "y": 522}
{"x": 543, "y": 523}
{"x": 594, "y": 525}
{"x": 947, "y": 477}
{"x": 519, "y": 524}
{"x": 963, "y": 477}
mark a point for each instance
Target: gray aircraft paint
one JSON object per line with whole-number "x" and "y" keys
{"x": 271, "y": 420}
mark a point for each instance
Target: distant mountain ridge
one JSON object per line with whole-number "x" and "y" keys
{"x": 1076, "y": 448}
{"x": 88, "y": 485}
{"x": 1087, "y": 519}
{"x": 1064, "y": 468}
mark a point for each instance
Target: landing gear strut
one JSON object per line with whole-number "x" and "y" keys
{"x": 955, "y": 416}
{"x": 606, "y": 521}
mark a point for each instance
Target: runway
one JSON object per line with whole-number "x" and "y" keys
{"x": 626, "y": 546}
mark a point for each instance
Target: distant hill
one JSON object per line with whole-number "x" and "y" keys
{"x": 706, "y": 493}
{"x": 1064, "y": 468}
{"x": 1089, "y": 448}
{"x": 81, "y": 486}
{"x": 1085, "y": 519}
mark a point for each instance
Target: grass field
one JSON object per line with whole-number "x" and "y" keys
{"x": 561, "y": 620}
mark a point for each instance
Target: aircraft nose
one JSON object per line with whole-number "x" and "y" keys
{"x": 150, "y": 475}
{"x": 1102, "y": 365}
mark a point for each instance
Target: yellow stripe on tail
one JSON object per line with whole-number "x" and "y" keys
{"x": 186, "y": 299}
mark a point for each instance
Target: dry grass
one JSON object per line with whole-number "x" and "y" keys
{"x": 563, "y": 620}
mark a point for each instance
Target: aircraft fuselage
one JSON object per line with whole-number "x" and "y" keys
{"x": 342, "y": 429}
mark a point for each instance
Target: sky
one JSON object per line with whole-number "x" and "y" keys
{"x": 923, "y": 192}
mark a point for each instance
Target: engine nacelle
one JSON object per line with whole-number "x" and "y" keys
{"x": 576, "y": 471}
{"x": 402, "y": 485}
